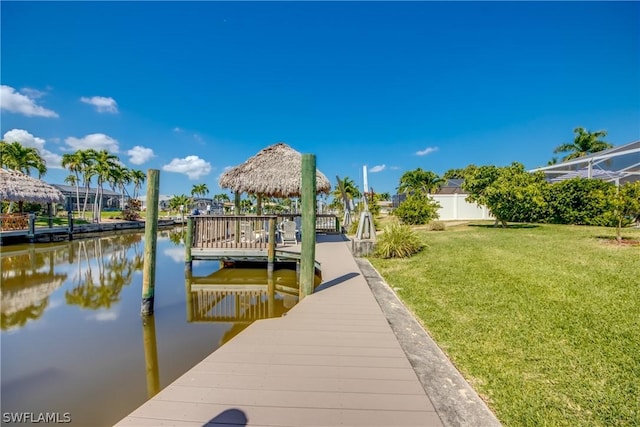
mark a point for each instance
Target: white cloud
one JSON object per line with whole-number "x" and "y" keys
{"x": 192, "y": 166}
{"x": 139, "y": 155}
{"x": 177, "y": 129}
{"x": 103, "y": 104}
{"x": 104, "y": 316}
{"x": 378, "y": 168}
{"x": 97, "y": 141}
{"x": 427, "y": 151}
{"x": 175, "y": 253}
{"x": 32, "y": 93}
{"x": 17, "y": 102}
{"x": 27, "y": 140}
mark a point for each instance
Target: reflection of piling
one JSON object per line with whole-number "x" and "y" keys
{"x": 150, "y": 241}
{"x": 271, "y": 295}
{"x": 188, "y": 243}
{"x": 151, "y": 355}
{"x": 308, "y": 253}
{"x": 188, "y": 297}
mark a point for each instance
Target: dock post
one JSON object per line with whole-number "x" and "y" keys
{"x": 32, "y": 227}
{"x": 271, "y": 251}
{"x": 50, "y": 214}
{"x": 150, "y": 241}
{"x": 188, "y": 297}
{"x": 236, "y": 212}
{"x": 188, "y": 243}
{"x": 70, "y": 221}
{"x": 308, "y": 252}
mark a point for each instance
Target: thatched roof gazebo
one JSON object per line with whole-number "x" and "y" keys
{"x": 18, "y": 187}
{"x": 276, "y": 171}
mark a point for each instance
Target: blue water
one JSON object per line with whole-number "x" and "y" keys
{"x": 72, "y": 335}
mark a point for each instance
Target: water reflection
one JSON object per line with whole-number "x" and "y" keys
{"x": 71, "y": 322}
{"x": 151, "y": 355}
{"x": 99, "y": 286}
{"x": 28, "y": 279}
{"x": 241, "y": 295}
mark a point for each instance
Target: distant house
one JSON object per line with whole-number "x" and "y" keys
{"x": 163, "y": 202}
{"x": 111, "y": 200}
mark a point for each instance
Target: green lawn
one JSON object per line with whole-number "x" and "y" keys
{"x": 543, "y": 321}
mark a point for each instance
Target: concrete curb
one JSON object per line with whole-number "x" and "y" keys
{"x": 454, "y": 399}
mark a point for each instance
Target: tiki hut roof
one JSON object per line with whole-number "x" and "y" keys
{"x": 16, "y": 186}
{"x": 276, "y": 171}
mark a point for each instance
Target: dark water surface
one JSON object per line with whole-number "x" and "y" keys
{"x": 73, "y": 340}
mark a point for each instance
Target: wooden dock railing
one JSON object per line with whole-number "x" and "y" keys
{"x": 246, "y": 231}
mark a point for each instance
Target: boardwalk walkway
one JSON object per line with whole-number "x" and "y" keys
{"x": 332, "y": 360}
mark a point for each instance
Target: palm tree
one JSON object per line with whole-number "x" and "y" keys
{"x": 419, "y": 181}
{"x": 584, "y": 143}
{"x": 15, "y": 156}
{"x": 104, "y": 166}
{"x": 199, "y": 190}
{"x": 86, "y": 162}
{"x": 120, "y": 178}
{"x": 181, "y": 203}
{"x": 221, "y": 199}
{"x": 74, "y": 162}
{"x": 346, "y": 190}
{"x": 137, "y": 178}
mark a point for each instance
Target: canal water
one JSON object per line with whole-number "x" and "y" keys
{"x": 73, "y": 343}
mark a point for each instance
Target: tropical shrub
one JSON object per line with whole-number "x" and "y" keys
{"x": 132, "y": 211}
{"x": 418, "y": 208}
{"x": 398, "y": 241}
{"x": 581, "y": 201}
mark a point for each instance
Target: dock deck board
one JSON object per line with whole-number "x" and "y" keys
{"x": 332, "y": 360}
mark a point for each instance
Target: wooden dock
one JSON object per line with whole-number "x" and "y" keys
{"x": 332, "y": 360}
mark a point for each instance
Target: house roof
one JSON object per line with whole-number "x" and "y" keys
{"x": 71, "y": 190}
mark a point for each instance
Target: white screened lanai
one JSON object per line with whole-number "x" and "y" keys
{"x": 618, "y": 164}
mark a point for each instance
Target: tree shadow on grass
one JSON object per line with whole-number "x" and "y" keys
{"x": 510, "y": 226}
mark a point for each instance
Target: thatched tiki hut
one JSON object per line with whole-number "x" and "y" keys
{"x": 276, "y": 171}
{"x": 18, "y": 187}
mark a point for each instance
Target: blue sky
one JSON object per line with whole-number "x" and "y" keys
{"x": 193, "y": 88}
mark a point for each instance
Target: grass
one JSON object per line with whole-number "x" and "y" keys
{"x": 543, "y": 321}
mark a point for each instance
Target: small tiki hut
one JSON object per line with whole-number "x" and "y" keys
{"x": 276, "y": 171}
{"x": 18, "y": 187}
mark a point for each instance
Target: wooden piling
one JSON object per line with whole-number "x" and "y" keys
{"x": 50, "y": 214}
{"x": 188, "y": 243}
{"x": 150, "y": 241}
{"x": 32, "y": 228}
{"x": 236, "y": 211}
{"x": 271, "y": 251}
{"x": 70, "y": 220}
{"x": 308, "y": 250}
